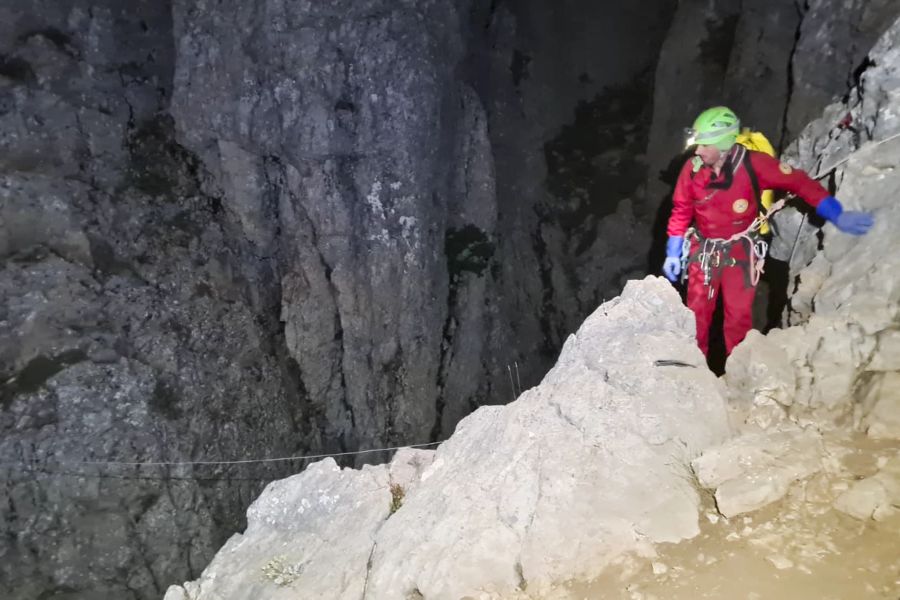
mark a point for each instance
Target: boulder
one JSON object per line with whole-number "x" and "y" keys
{"x": 876, "y": 497}
{"x": 756, "y": 469}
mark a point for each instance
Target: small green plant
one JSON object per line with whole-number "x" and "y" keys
{"x": 280, "y": 572}
{"x": 397, "y": 493}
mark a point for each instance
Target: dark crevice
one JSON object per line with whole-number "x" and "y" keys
{"x": 548, "y": 314}
{"x": 856, "y": 77}
{"x": 783, "y": 138}
{"x": 592, "y": 163}
{"x": 715, "y": 48}
{"x": 166, "y": 398}
{"x": 36, "y": 373}
{"x": 60, "y": 40}
{"x": 519, "y": 66}
{"x": 159, "y": 165}
{"x": 17, "y": 70}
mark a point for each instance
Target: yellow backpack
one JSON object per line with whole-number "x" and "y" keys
{"x": 755, "y": 140}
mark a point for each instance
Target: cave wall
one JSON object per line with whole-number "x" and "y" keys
{"x": 430, "y": 261}
{"x": 129, "y": 330}
{"x": 352, "y": 156}
{"x": 566, "y": 86}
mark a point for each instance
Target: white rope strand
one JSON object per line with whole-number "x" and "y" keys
{"x": 117, "y": 463}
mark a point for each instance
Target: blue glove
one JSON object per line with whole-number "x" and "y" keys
{"x": 672, "y": 266}
{"x": 851, "y": 221}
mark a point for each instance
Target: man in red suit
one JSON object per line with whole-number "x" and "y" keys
{"x": 718, "y": 193}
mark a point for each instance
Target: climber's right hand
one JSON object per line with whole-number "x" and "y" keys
{"x": 672, "y": 266}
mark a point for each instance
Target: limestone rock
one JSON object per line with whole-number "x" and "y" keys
{"x": 882, "y": 406}
{"x": 876, "y": 497}
{"x": 310, "y": 534}
{"x": 125, "y": 332}
{"x": 833, "y": 368}
{"x": 590, "y": 464}
{"x": 760, "y": 380}
{"x": 823, "y": 145}
{"x": 755, "y": 469}
{"x": 838, "y": 355}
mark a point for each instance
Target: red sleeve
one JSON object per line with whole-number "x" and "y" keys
{"x": 774, "y": 175}
{"x": 682, "y": 203}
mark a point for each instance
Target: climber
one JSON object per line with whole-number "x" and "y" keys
{"x": 718, "y": 192}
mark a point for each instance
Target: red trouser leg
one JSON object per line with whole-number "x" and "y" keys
{"x": 737, "y": 300}
{"x": 701, "y": 304}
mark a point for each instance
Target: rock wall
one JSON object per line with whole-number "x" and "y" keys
{"x": 359, "y": 155}
{"x": 350, "y": 156}
{"x": 568, "y": 88}
{"x": 128, "y": 331}
{"x": 822, "y": 148}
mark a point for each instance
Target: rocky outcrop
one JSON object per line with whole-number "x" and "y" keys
{"x": 591, "y": 463}
{"x": 866, "y": 116}
{"x": 875, "y": 497}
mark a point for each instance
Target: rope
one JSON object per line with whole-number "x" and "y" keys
{"x": 825, "y": 172}
{"x": 116, "y": 463}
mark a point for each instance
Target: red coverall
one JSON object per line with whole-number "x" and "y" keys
{"x": 721, "y": 213}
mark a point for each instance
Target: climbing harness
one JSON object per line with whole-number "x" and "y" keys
{"x": 713, "y": 252}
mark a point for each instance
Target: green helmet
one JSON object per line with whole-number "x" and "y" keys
{"x": 717, "y": 126}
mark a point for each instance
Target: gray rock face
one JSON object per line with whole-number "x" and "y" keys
{"x": 126, "y": 329}
{"x": 338, "y": 156}
{"x": 591, "y": 463}
{"x": 362, "y": 157}
{"x": 842, "y": 354}
{"x": 821, "y": 147}
{"x": 568, "y": 89}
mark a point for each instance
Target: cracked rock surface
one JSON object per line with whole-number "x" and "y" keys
{"x": 126, "y": 330}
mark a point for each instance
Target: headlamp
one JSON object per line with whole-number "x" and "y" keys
{"x": 690, "y": 138}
